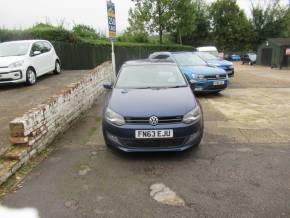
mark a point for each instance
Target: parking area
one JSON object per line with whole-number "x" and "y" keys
{"x": 241, "y": 168}
{"x": 17, "y": 99}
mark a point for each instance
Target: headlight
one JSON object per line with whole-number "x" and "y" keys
{"x": 231, "y": 67}
{"x": 200, "y": 77}
{"x": 114, "y": 118}
{"x": 16, "y": 64}
{"x": 192, "y": 116}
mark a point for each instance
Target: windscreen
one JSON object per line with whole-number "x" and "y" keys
{"x": 188, "y": 59}
{"x": 8, "y": 49}
{"x": 150, "y": 76}
{"x": 207, "y": 56}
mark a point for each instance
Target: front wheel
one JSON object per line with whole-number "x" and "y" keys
{"x": 30, "y": 77}
{"x": 57, "y": 69}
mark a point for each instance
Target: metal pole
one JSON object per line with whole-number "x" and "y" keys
{"x": 114, "y": 60}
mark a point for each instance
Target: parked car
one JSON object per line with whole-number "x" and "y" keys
{"x": 25, "y": 60}
{"x": 146, "y": 112}
{"x": 203, "y": 78}
{"x": 249, "y": 58}
{"x": 232, "y": 57}
{"x": 210, "y": 49}
{"x": 217, "y": 62}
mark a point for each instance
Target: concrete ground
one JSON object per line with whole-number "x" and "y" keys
{"x": 241, "y": 168}
{"x": 17, "y": 99}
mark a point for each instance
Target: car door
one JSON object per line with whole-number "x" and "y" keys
{"x": 37, "y": 58}
{"x": 49, "y": 57}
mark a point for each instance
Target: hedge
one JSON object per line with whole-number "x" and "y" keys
{"x": 86, "y": 56}
{"x": 81, "y": 53}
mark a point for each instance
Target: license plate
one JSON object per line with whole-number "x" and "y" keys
{"x": 153, "y": 134}
{"x": 217, "y": 83}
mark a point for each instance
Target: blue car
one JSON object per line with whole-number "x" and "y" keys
{"x": 152, "y": 108}
{"x": 217, "y": 62}
{"x": 233, "y": 57}
{"x": 202, "y": 77}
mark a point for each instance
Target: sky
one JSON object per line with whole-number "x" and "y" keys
{"x": 25, "y": 13}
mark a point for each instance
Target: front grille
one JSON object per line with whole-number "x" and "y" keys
{"x": 215, "y": 77}
{"x": 5, "y": 80}
{"x": 161, "y": 120}
{"x": 212, "y": 88}
{"x": 152, "y": 143}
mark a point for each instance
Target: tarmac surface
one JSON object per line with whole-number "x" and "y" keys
{"x": 241, "y": 168}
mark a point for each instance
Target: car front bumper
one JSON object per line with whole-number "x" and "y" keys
{"x": 208, "y": 86}
{"x": 11, "y": 76}
{"x": 123, "y": 137}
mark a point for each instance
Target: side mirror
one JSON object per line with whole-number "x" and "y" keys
{"x": 108, "y": 85}
{"x": 36, "y": 53}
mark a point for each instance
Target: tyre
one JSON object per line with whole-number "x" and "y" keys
{"x": 30, "y": 76}
{"x": 57, "y": 69}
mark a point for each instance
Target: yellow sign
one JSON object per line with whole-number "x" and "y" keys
{"x": 111, "y": 20}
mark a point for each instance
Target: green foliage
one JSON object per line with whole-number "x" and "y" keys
{"x": 184, "y": 17}
{"x": 270, "y": 21}
{"x": 52, "y": 33}
{"x": 231, "y": 28}
{"x": 152, "y": 15}
{"x": 84, "y": 31}
{"x": 38, "y": 31}
{"x": 137, "y": 37}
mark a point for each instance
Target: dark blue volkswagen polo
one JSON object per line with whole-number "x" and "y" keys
{"x": 152, "y": 108}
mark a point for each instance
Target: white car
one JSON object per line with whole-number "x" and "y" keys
{"x": 25, "y": 60}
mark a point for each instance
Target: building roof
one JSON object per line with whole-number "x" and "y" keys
{"x": 281, "y": 41}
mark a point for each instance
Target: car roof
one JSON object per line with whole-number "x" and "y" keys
{"x": 206, "y": 48}
{"x": 149, "y": 62}
{"x": 169, "y": 52}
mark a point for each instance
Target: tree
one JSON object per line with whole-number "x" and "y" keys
{"x": 184, "y": 16}
{"x": 155, "y": 14}
{"x": 230, "y": 27}
{"x": 269, "y": 21}
{"x": 201, "y": 30}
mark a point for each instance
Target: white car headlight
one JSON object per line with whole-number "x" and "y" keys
{"x": 192, "y": 116}
{"x": 16, "y": 64}
{"x": 231, "y": 67}
{"x": 114, "y": 118}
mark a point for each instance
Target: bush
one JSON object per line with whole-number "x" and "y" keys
{"x": 86, "y": 32}
{"x": 82, "y": 48}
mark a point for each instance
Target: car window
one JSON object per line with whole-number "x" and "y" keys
{"x": 207, "y": 56}
{"x": 37, "y": 46}
{"x": 46, "y": 47}
{"x": 161, "y": 57}
{"x": 150, "y": 76}
{"x": 8, "y": 49}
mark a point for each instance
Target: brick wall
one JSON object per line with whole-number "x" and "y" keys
{"x": 39, "y": 126}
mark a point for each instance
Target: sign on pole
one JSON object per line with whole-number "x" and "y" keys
{"x": 111, "y": 20}
{"x": 288, "y": 51}
{"x": 112, "y": 30}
